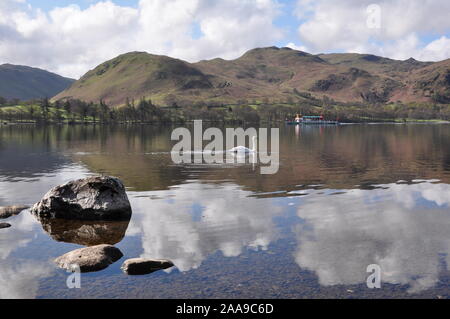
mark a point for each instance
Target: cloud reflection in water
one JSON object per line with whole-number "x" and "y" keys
{"x": 19, "y": 278}
{"x": 403, "y": 228}
{"x": 200, "y": 219}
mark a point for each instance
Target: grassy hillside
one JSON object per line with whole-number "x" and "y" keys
{"x": 275, "y": 75}
{"x": 26, "y": 83}
{"x": 135, "y": 75}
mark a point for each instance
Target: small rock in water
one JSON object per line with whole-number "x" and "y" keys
{"x": 90, "y": 259}
{"x": 142, "y": 266}
{"x": 92, "y": 198}
{"x": 4, "y": 225}
{"x": 6, "y": 212}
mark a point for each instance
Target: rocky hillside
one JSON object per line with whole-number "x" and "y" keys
{"x": 273, "y": 74}
{"x": 25, "y": 83}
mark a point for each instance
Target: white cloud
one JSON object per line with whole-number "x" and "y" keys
{"x": 436, "y": 50}
{"x": 332, "y": 26}
{"x": 294, "y": 46}
{"x": 70, "y": 40}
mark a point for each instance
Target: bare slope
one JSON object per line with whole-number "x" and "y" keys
{"x": 260, "y": 74}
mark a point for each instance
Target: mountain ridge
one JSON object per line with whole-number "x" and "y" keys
{"x": 271, "y": 73}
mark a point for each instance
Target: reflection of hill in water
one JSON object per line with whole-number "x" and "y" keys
{"x": 26, "y": 151}
{"x": 335, "y": 157}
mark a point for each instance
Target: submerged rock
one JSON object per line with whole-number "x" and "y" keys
{"x": 142, "y": 266}
{"x": 86, "y": 233}
{"x": 90, "y": 259}
{"x": 6, "y": 212}
{"x": 4, "y": 225}
{"x": 92, "y": 198}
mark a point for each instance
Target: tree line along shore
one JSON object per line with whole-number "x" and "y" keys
{"x": 44, "y": 111}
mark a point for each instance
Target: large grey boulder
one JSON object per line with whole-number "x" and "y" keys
{"x": 142, "y": 266}
{"x": 92, "y": 198}
{"x": 6, "y": 212}
{"x": 89, "y": 259}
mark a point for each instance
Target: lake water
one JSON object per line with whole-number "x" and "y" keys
{"x": 344, "y": 198}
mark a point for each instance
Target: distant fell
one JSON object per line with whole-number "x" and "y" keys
{"x": 263, "y": 74}
{"x": 25, "y": 83}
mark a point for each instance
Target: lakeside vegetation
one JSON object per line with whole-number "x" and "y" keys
{"x": 264, "y": 85}
{"x": 144, "y": 111}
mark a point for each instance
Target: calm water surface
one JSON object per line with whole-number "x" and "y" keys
{"x": 344, "y": 198}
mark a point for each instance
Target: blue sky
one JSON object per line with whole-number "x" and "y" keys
{"x": 72, "y": 39}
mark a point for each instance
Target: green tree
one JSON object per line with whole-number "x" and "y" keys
{"x": 84, "y": 109}
{"x": 94, "y": 111}
{"x": 31, "y": 112}
{"x": 104, "y": 112}
{"x": 45, "y": 107}
{"x": 143, "y": 110}
{"x": 68, "y": 108}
